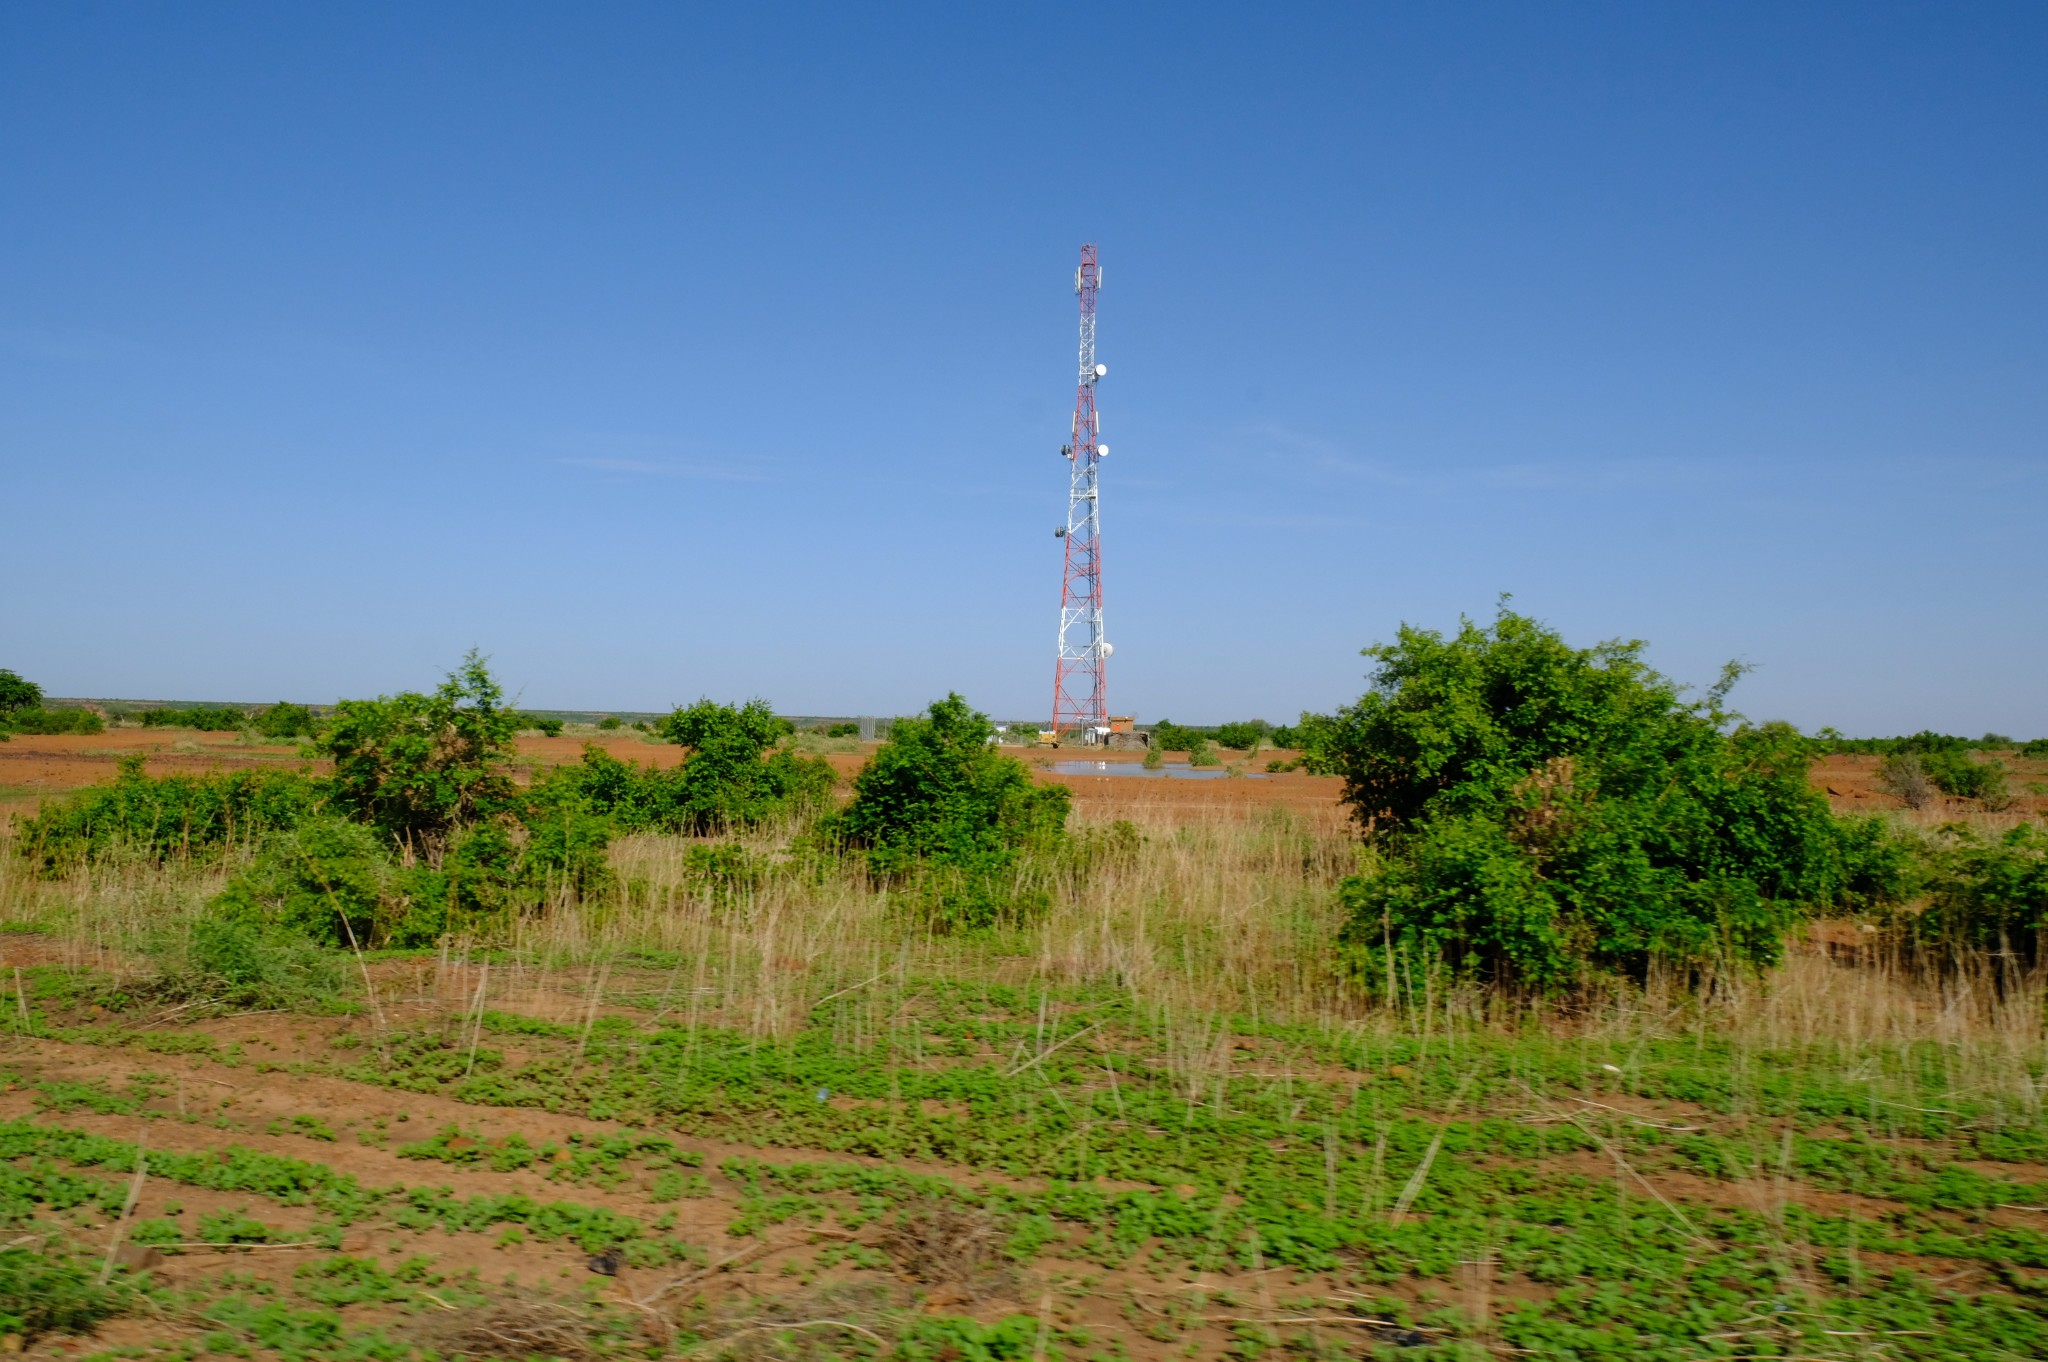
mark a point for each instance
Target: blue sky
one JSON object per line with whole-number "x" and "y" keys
{"x": 664, "y": 351}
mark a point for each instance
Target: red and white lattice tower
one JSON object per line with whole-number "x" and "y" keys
{"x": 1080, "y": 695}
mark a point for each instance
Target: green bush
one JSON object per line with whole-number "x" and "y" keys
{"x": 420, "y": 767}
{"x": 194, "y": 816}
{"x": 630, "y": 796}
{"x": 43, "y": 1293}
{"x": 53, "y": 721}
{"x": 566, "y": 846}
{"x": 1168, "y": 736}
{"x": 843, "y": 730}
{"x": 1201, "y": 754}
{"x": 1310, "y": 736}
{"x": 1980, "y": 900}
{"x": 243, "y": 963}
{"x": 609, "y": 723}
{"x": 1544, "y": 814}
{"x": 1958, "y": 774}
{"x": 939, "y": 808}
{"x": 284, "y": 720}
{"x": 740, "y": 772}
{"x": 1242, "y": 737}
{"x": 204, "y": 718}
{"x": 725, "y": 870}
{"x": 541, "y": 724}
{"x": 326, "y": 880}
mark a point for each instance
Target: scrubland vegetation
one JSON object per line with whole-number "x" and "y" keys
{"x": 1597, "y": 1033}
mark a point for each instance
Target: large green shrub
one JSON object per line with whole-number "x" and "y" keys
{"x": 285, "y": 720}
{"x": 938, "y": 805}
{"x": 627, "y": 795}
{"x": 1958, "y": 774}
{"x": 740, "y": 771}
{"x": 1980, "y": 900}
{"x": 325, "y": 880}
{"x": 1545, "y": 813}
{"x": 1243, "y": 736}
{"x": 1168, "y": 736}
{"x": 422, "y": 766}
{"x": 52, "y": 721}
{"x": 179, "y": 816}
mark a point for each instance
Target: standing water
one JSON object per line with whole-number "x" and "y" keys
{"x": 1177, "y": 771}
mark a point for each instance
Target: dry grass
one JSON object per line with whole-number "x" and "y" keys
{"x": 1198, "y": 926}
{"x": 513, "y": 1330}
{"x": 945, "y": 1244}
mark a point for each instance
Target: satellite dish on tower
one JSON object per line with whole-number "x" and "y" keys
{"x": 1107, "y": 647}
{"x": 1102, "y": 371}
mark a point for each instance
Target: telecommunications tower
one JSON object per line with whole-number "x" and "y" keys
{"x": 1080, "y": 696}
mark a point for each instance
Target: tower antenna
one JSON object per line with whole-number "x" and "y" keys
{"x": 1080, "y": 696}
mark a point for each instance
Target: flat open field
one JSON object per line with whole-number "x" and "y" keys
{"x": 1153, "y": 1123}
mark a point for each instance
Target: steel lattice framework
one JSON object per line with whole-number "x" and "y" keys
{"x": 1080, "y": 696}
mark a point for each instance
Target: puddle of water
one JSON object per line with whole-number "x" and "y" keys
{"x": 1171, "y": 771}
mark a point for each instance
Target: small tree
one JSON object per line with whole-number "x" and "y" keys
{"x": 1244, "y": 736}
{"x": 17, "y": 695}
{"x": 1544, "y": 813}
{"x": 421, "y": 766}
{"x": 739, "y": 771}
{"x": 286, "y": 720}
{"x": 937, "y": 793}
